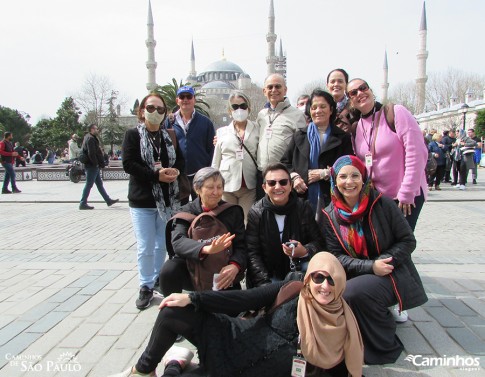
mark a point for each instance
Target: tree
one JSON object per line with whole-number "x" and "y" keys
{"x": 308, "y": 88}
{"x": 110, "y": 129}
{"x": 169, "y": 95}
{"x": 15, "y": 122}
{"x": 480, "y": 123}
{"x": 405, "y": 94}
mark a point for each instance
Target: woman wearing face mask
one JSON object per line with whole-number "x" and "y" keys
{"x": 153, "y": 164}
{"x": 235, "y": 153}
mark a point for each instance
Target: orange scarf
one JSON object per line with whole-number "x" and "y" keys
{"x": 329, "y": 333}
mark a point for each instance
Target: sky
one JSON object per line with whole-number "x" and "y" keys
{"x": 48, "y": 48}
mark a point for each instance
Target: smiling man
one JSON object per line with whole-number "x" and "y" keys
{"x": 277, "y": 122}
{"x": 275, "y": 221}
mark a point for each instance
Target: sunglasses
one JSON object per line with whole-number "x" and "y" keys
{"x": 276, "y": 86}
{"x": 243, "y": 106}
{"x": 186, "y": 96}
{"x": 151, "y": 109}
{"x": 272, "y": 182}
{"x": 362, "y": 88}
{"x": 319, "y": 278}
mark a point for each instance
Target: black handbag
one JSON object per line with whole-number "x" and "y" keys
{"x": 259, "y": 177}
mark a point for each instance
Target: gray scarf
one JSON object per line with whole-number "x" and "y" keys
{"x": 173, "y": 188}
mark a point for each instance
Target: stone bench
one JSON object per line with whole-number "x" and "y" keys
{"x": 46, "y": 172}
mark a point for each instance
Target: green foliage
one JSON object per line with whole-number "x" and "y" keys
{"x": 169, "y": 94}
{"x": 55, "y": 133}
{"x": 136, "y": 105}
{"x": 480, "y": 123}
{"x": 15, "y": 122}
{"x": 110, "y": 130}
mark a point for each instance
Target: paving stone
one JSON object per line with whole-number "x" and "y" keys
{"x": 419, "y": 315}
{"x": 445, "y": 317}
{"x": 17, "y": 345}
{"x": 81, "y": 335}
{"x": 63, "y": 295}
{"x": 458, "y": 307}
{"x": 96, "y": 348}
{"x": 468, "y": 341}
{"x": 414, "y": 342}
{"x": 47, "y": 322}
{"x": 92, "y": 305}
{"x": 117, "y": 324}
{"x": 12, "y": 330}
{"x": 476, "y": 304}
{"x": 432, "y": 302}
{"x": 72, "y": 303}
{"x": 439, "y": 339}
{"x": 38, "y": 311}
{"x": 116, "y": 361}
{"x": 477, "y": 325}
{"x": 120, "y": 281}
{"x": 93, "y": 288}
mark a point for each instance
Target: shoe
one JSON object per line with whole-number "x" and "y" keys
{"x": 144, "y": 298}
{"x": 130, "y": 373}
{"x": 6, "y": 191}
{"x": 399, "y": 317}
{"x": 462, "y": 187}
{"x": 172, "y": 369}
{"x": 157, "y": 283}
{"x": 437, "y": 188}
{"x": 16, "y": 191}
{"x": 474, "y": 181}
{"x": 112, "y": 201}
{"x": 176, "y": 359}
{"x": 430, "y": 188}
{"x": 85, "y": 206}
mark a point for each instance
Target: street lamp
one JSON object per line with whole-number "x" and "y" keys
{"x": 464, "y": 109}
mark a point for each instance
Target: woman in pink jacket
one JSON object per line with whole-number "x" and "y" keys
{"x": 395, "y": 154}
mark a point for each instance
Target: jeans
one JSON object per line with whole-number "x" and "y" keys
{"x": 412, "y": 219}
{"x": 150, "y": 242}
{"x": 93, "y": 176}
{"x": 9, "y": 176}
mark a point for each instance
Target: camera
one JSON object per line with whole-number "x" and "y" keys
{"x": 291, "y": 244}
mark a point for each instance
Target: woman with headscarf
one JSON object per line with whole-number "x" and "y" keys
{"x": 153, "y": 163}
{"x": 369, "y": 235}
{"x": 314, "y": 149}
{"x": 266, "y": 345}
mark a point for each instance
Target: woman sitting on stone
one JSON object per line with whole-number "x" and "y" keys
{"x": 369, "y": 235}
{"x": 312, "y": 312}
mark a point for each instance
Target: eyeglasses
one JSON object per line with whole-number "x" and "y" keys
{"x": 186, "y": 96}
{"x": 319, "y": 278}
{"x": 273, "y": 182}
{"x": 362, "y": 88}
{"x": 243, "y": 106}
{"x": 275, "y": 86}
{"x": 151, "y": 109}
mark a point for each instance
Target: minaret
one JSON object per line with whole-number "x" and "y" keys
{"x": 385, "y": 83}
{"x": 422, "y": 55}
{"x": 192, "y": 61}
{"x": 271, "y": 39}
{"x": 280, "y": 64}
{"x": 151, "y": 43}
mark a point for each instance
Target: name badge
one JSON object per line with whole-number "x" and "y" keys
{"x": 268, "y": 133}
{"x": 239, "y": 154}
{"x": 158, "y": 165}
{"x": 368, "y": 160}
{"x": 298, "y": 367}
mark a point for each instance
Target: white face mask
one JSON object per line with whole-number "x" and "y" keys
{"x": 240, "y": 115}
{"x": 154, "y": 118}
{"x": 302, "y": 108}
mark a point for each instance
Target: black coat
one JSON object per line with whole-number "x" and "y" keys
{"x": 387, "y": 234}
{"x": 260, "y": 265}
{"x": 187, "y": 248}
{"x": 93, "y": 151}
{"x": 297, "y": 155}
{"x": 142, "y": 176}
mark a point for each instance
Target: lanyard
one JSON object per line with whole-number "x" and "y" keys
{"x": 364, "y": 131}
{"x": 152, "y": 141}
{"x": 271, "y": 120}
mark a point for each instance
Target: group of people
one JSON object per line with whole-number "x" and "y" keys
{"x": 341, "y": 173}
{"x": 456, "y": 153}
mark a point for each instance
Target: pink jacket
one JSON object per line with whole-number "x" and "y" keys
{"x": 400, "y": 157}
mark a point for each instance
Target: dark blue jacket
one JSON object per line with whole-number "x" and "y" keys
{"x": 197, "y": 145}
{"x": 434, "y": 148}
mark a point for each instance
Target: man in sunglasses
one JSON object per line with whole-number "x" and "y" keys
{"x": 281, "y": 234}
{"x": 195, "y": 133}
{"x": 277, "y": 122}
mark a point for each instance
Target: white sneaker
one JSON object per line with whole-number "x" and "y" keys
{"x": 462, "y": 187}
{"x": 181, "y": 354}
{"x": 399, "y": 317}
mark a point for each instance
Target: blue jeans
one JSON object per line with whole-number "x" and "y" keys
{"x": 93, "y": 176}
{"x": 9, "y": 176}
{"x": 150, "y": 243}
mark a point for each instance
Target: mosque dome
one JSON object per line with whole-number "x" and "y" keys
{"x": 217, "y": 85}
{"x": 223, "y": 65}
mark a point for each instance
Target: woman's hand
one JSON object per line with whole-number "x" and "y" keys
{"x": 299, "y": 251}
{"x": 168, "y": 175}
{"x": 382, "y": 267}
{"x": 299, "y": 185}
{"x": 222, "y": 243}
{"x": 175, "y": 300}
{"x": 226, "y": 276}
{"x": 406, "y": 208}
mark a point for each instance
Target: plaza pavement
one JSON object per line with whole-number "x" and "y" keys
{"x": 68, "y": 284}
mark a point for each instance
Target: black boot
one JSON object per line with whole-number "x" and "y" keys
{"x": 173, "y": 368}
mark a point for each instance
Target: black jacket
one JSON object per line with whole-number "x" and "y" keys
{"x": 185, "y": 247}
{"x": 142, "y": 177}
{"x": 387, "y": 234}
{"x": 93, "y": 151}
{"x": 297, "y": 155}
{"x": 260, "y": 265}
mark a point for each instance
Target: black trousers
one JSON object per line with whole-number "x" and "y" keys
{"x": 174, "y": 277}
{"x": 437, "y": 177}
{"x": 369, "y": 297}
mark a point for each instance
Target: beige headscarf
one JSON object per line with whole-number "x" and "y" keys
{"x": 329, "y": 333}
